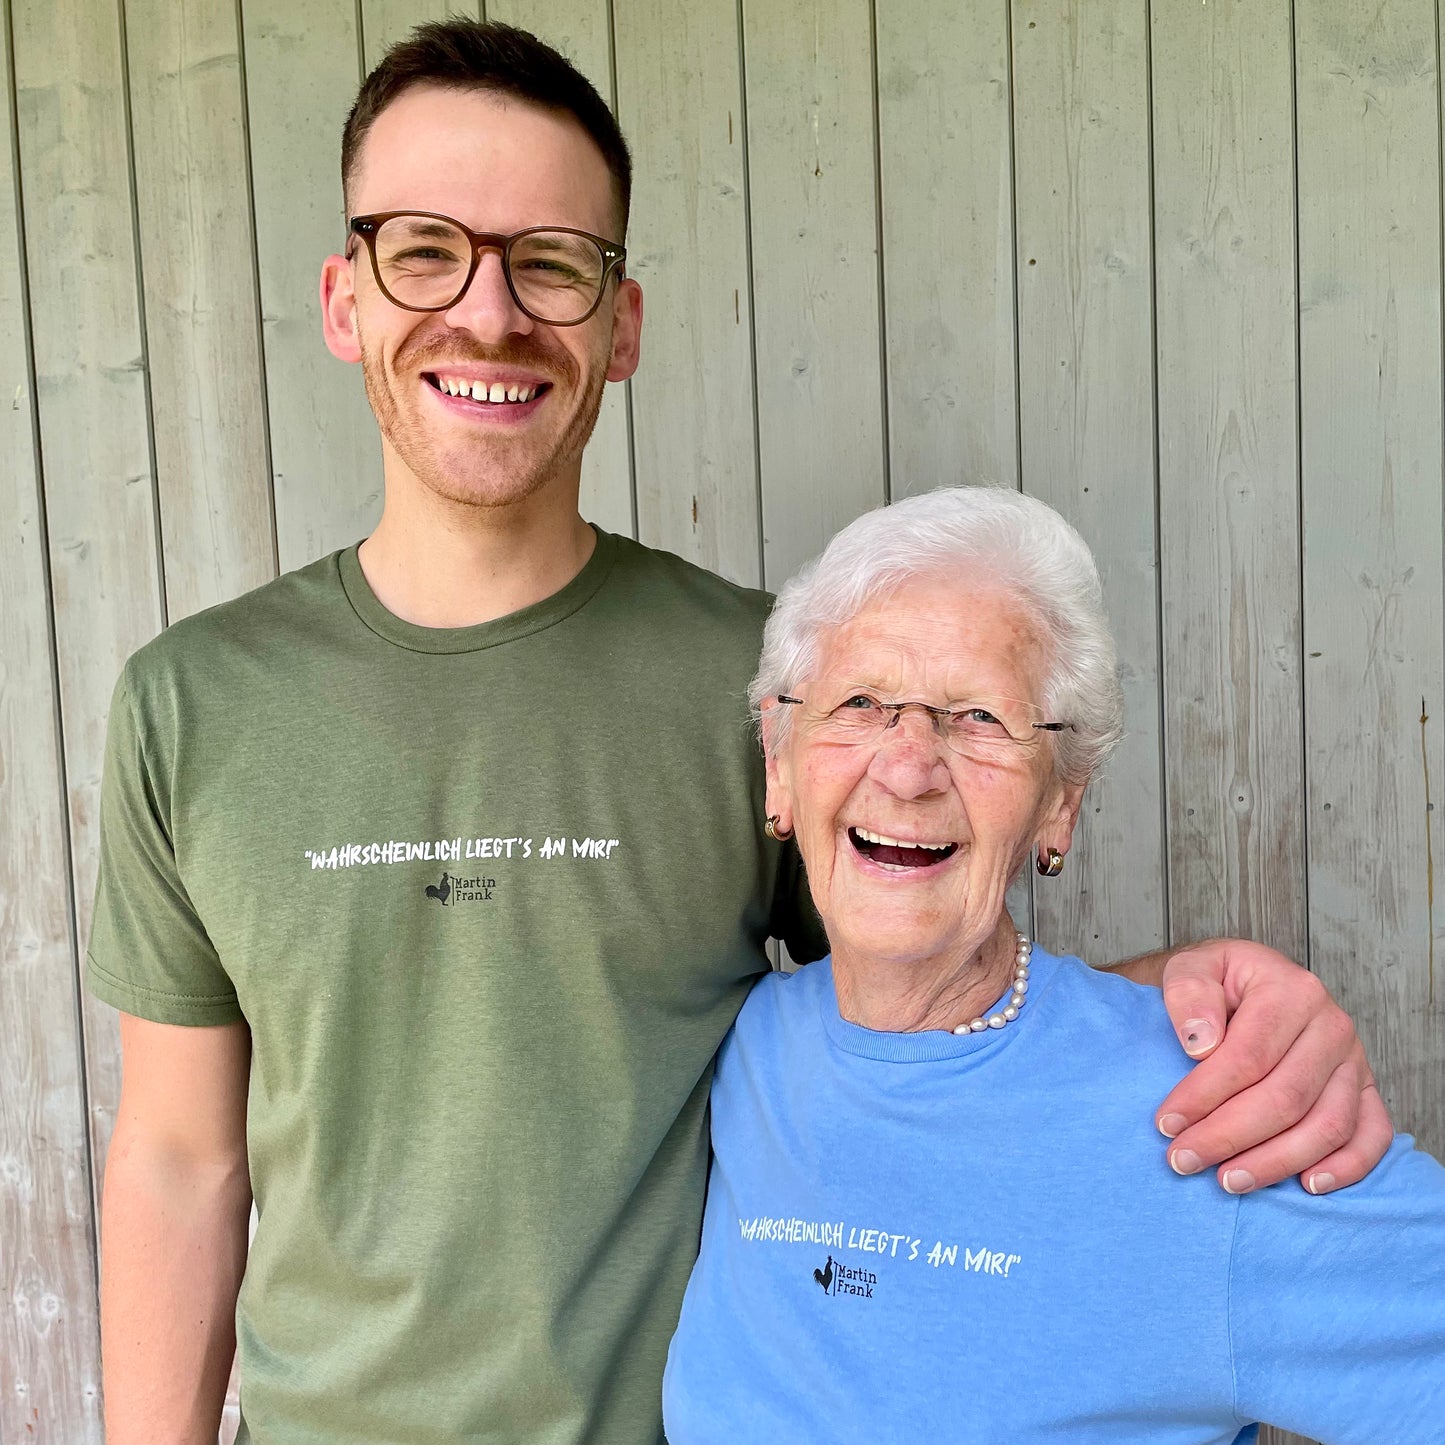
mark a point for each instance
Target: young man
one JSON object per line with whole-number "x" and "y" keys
{"x": 433, "y": 874}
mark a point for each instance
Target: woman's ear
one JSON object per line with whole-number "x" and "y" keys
{"x": 1057, "y": 828}
{"x": 777, "y": 769}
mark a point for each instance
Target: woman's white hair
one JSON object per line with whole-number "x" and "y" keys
{"x": 980, "y": 537}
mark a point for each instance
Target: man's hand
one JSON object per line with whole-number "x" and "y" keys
{"x": 1284, "y": 1089}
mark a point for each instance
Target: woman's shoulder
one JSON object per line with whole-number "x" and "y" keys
{"x": 1097, "y": 988}
{"x": 1106, "y": 1021}
{"x": 780, "y": 995}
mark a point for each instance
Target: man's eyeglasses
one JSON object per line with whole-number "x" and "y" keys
{"x": 973, "y": 730}
{"x": 425, "y": 262}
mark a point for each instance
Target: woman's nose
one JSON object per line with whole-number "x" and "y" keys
{"x": 911, "y": 758}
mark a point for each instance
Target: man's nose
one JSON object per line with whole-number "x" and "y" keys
{"x": 487, "y": 307}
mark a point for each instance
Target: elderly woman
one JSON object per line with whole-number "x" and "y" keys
{"x": 891, "y": 1249}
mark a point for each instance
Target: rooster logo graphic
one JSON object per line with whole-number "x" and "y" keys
{"x": 824, "y": 1276}
{"x": 442, "y": 893}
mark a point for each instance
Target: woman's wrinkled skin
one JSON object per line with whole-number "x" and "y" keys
{"x": 923, "y": 947}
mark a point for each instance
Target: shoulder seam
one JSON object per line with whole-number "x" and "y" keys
{"x": 147, "y": 762}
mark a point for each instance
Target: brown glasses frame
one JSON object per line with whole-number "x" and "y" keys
{"x": 366, "y": 227}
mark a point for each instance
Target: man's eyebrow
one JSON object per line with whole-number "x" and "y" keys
{"x": 428, "y": 229}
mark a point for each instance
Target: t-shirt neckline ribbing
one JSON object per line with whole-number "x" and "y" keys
{"x": 932, "y": 1044}
{"x": 534, "y": 618}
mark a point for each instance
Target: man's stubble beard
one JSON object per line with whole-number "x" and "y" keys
{"x": 520, "y": 478}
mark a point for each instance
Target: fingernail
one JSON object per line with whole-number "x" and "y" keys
{"x": 1199, "y": 1036}
{"x": 1171, "y": 1125}
{"x": 1238, "y": 1181}
{"x": 1320, "y": 1183}
{"x": 1185, "y": 1161}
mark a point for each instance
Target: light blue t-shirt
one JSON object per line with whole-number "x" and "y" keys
{"x": 924, "y": 1238}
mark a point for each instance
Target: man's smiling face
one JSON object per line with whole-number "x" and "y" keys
{"x": 500, "y": 165}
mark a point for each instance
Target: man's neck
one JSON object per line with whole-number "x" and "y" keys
{"x": 440, "y": 564}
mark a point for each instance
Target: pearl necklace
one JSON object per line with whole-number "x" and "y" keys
{"x": 1010, "y": 1010}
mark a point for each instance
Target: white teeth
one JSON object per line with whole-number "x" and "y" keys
{"x": 495, "y": 392}
{"x": 868, "y": 837}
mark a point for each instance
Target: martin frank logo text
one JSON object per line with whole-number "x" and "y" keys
{"x": 837, "y": 1279}
{"x": 453, "y": 890}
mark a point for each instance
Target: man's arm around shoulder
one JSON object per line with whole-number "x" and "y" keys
{"x": 1287, "y": 1091}
{"x": 174, "y": 1216}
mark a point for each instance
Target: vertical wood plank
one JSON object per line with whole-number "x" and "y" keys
{"x": 679, "y": 97}
{"x": 49, "y": 1330}
{"x": 946, "y": 168}
{"x": 302, "y": 71}
{"x": 581, "y": 31}
{"x": 811, "y": 152}
{"x": 1228, "y": 471}
{"x": 91, "y": 383}
{"x": 384, "y": 22}
{"x": 1081, "y": 135}
{"x": 198, "y": 267}
{"x": 1370, "y": 378}
{"x": 946, "y": 186}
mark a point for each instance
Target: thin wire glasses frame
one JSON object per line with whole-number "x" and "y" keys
{"x": 368, "y": 227}
{"x": 941, "y": 717}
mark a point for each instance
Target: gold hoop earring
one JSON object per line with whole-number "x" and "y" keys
{"x": 1053, "y": 867}
{"x": 771, "y": 828}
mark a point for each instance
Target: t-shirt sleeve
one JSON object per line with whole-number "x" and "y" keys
{"x": 149, "y": 953}
{"x": 1337, "y": 1306}
{"x": 795, "y": 920}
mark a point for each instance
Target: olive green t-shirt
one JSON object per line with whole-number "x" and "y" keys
{"x": 488, "y": 900}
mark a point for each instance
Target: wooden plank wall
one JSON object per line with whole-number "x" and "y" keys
{"x": 1176, "y": 268}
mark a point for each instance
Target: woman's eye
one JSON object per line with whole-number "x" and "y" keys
{"x": 978, "y": 722}
{"x": 859, "y": 702}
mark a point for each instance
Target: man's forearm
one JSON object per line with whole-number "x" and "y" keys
{"x": 1144, "y": 968}
{"x": 173, "y": 1248}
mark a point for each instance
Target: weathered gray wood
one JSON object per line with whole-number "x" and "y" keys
{"x": 302, "y": 71}
{"x": 1228, "y": 471}
{"x": 202, "y": 320}
{"x": 384, "y": 22}
{"x": 580, "y": 30}
{"x": 1081, "y": 132}
{"x": 946, "y": 181}
{"x": 91, "y": 386}
{"x": 811, "y": 148}
{"x": 679, "y": 98}
{"x": 49, "y": 1335}
{"x": 948, "y": 243}
{"x": 1370, "y": 347}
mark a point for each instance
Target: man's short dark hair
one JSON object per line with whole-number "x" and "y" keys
{"x": 462, "y": 54}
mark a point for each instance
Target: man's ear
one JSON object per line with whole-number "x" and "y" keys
{"x": 779, "y": 797}
{"x": 626, "y": 330}
{"x": 338, "y": 309}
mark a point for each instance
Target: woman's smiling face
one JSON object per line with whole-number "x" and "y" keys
{"x": 968, "y": 819}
